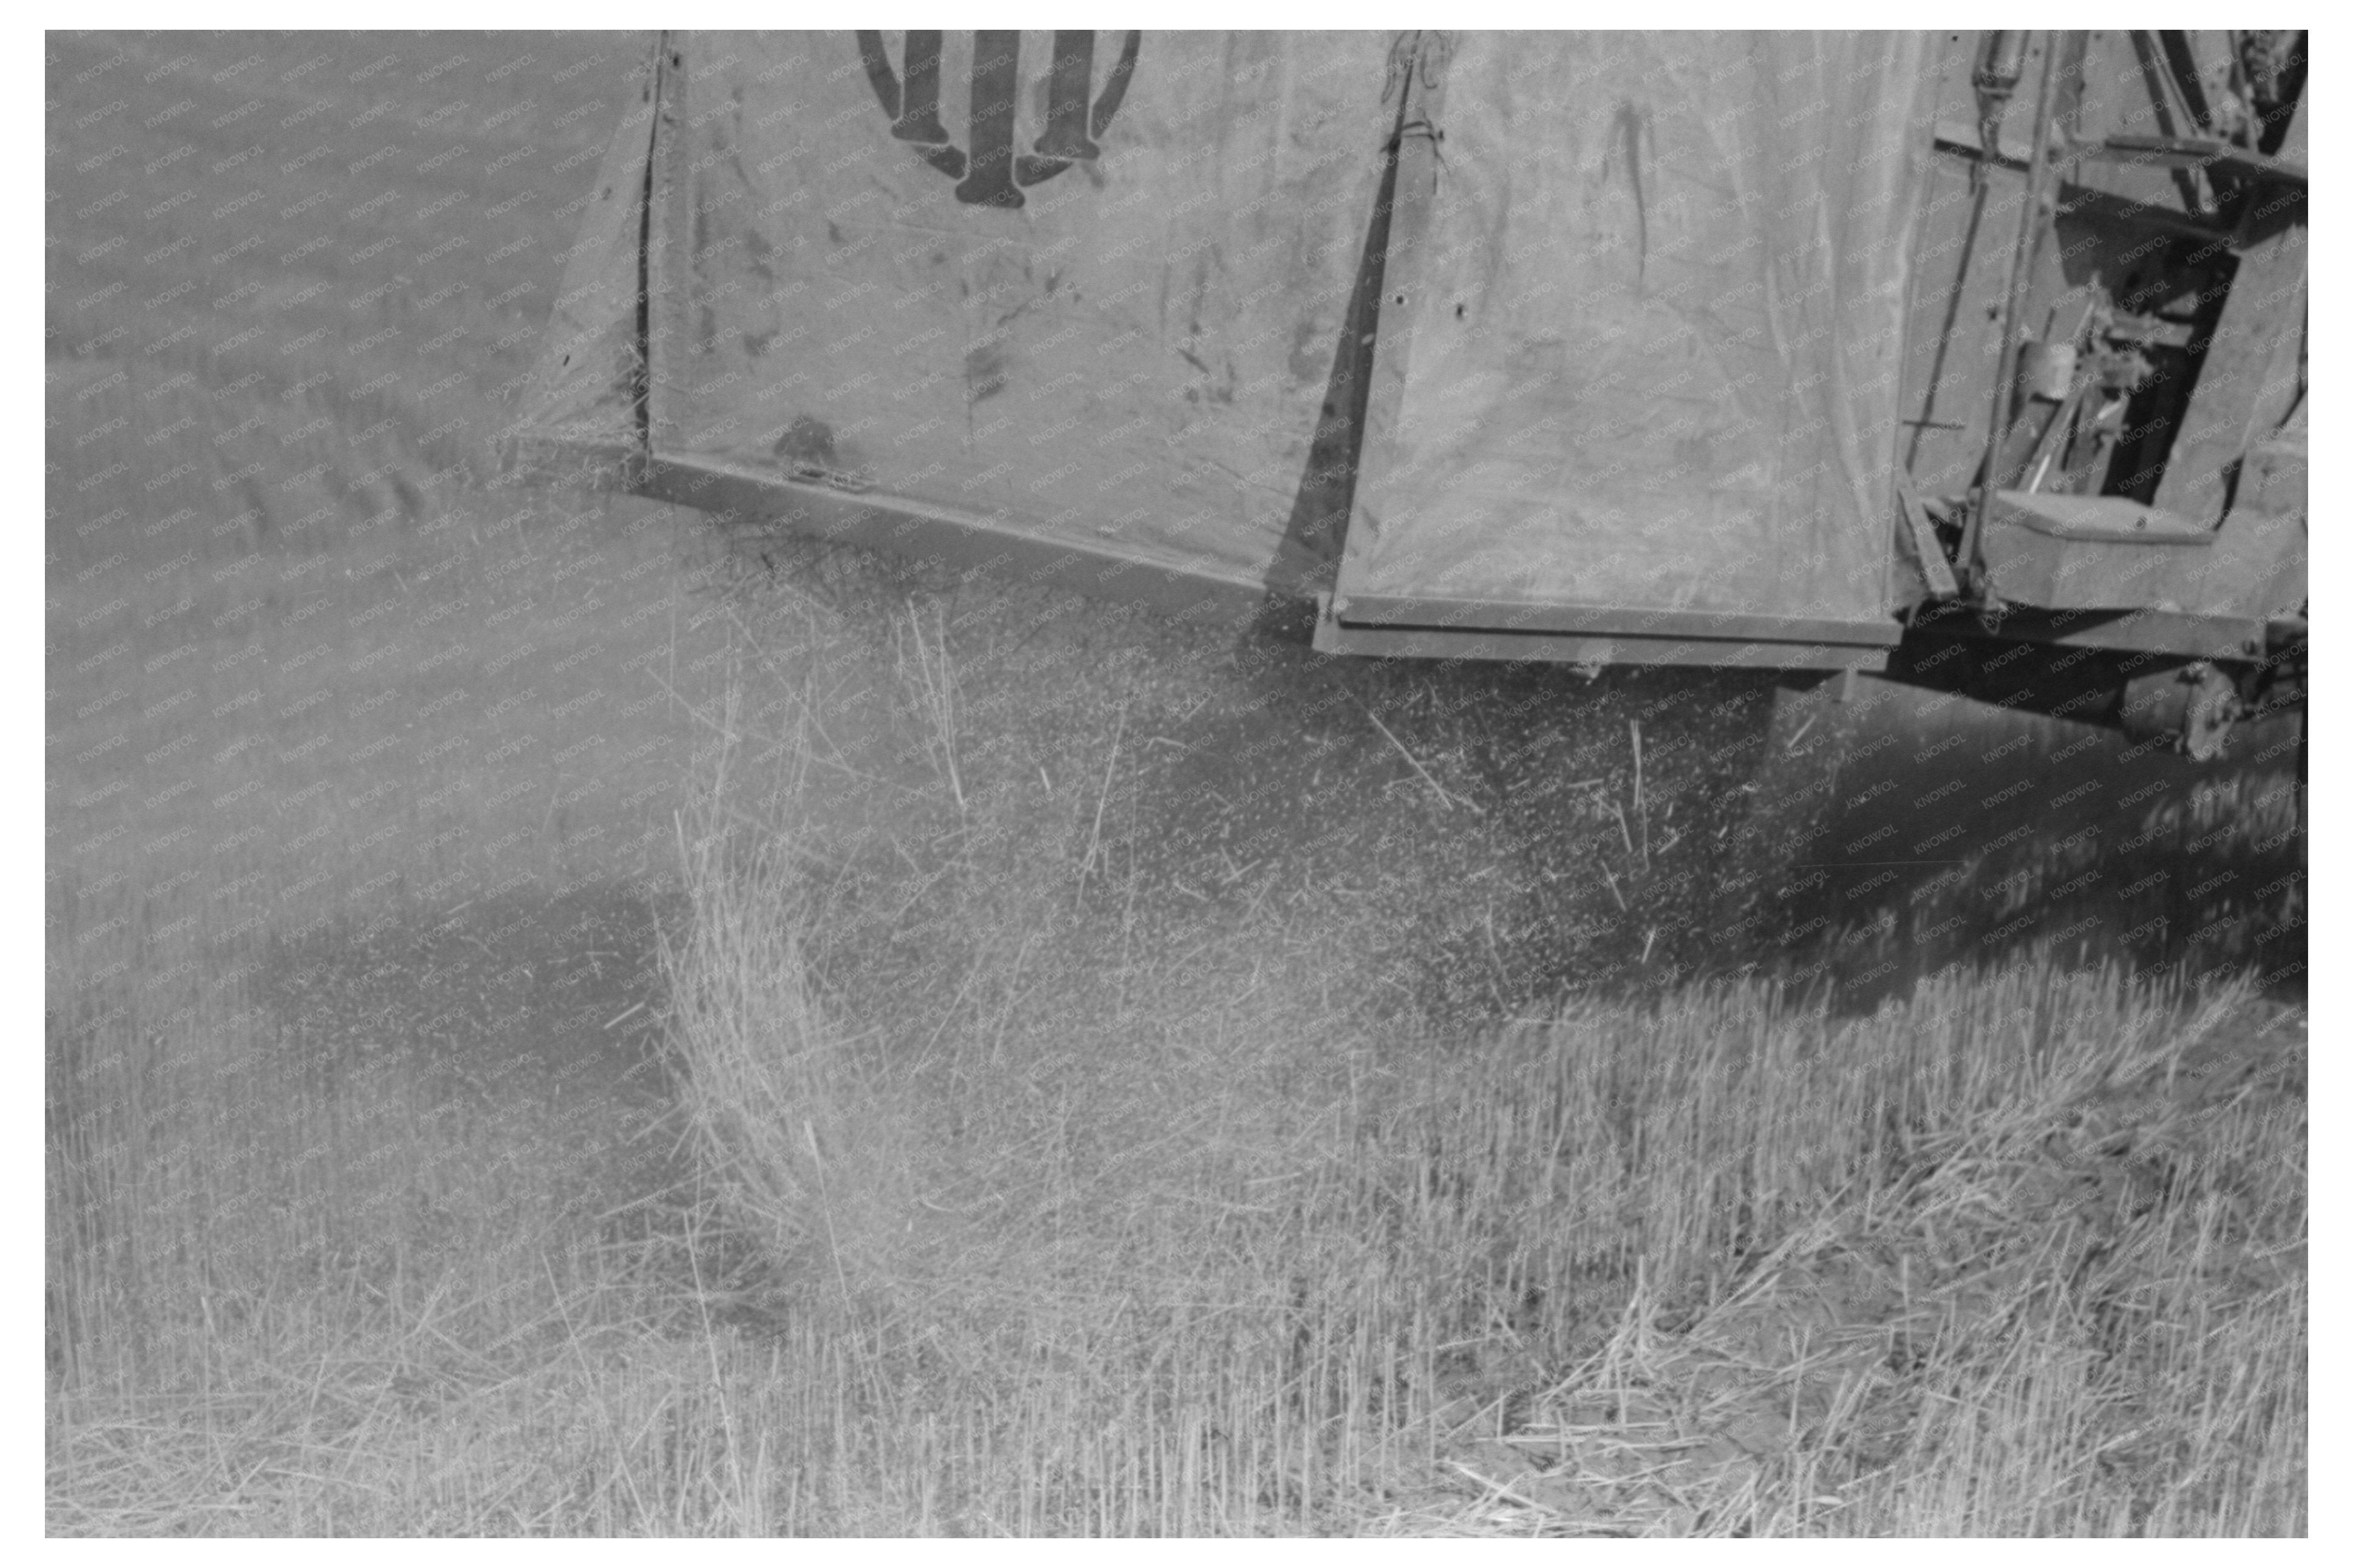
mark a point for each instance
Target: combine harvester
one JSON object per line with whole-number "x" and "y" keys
{"x": 1973, "y": 360}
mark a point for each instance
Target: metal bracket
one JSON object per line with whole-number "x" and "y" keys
{"x": 1922, "y": 534}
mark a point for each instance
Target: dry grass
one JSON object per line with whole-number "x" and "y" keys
{"x": 1008, "y": 1190}
{"x": 1974, "y": 1266}
{"x": 1121, "y": 1239}
{"x": 927, "y": 676}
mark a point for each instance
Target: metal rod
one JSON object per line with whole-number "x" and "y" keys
{"x": 1978, "y": 183}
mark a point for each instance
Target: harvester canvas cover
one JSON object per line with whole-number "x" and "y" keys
{"x": 1079, "y": 293}
{"x": 1650, "y": 384}
{"x": 1588, "y": 345}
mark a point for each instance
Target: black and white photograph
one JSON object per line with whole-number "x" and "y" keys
{"x": 1249, "y": 781}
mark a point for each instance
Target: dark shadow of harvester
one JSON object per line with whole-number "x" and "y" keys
{"x": 1971, "y": 363}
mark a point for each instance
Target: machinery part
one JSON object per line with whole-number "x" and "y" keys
{"x": 2195, "y": 704}
{"x": 2047, "y": 370}
{"x": 1468, "y": 459}
{"x": 2034, "y": 215}
{"x": 2000, "y": 64}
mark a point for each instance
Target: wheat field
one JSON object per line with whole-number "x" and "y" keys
{"x": 560, "y": 1021}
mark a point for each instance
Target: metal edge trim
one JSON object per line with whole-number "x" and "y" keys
{"x": 1381, "y": 610}
{"x": 927, "y": 532}
{"x": 1332, "y": 637}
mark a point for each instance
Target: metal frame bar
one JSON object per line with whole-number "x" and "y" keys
{"x": 2171, "y": 632}
{"x": 1370, "y": 611}
{"x": 1957, "y": 140}
{"x": 927, "y": 533}
{"x": 2191, "y": 152}
{"x": 668, "y": 266}
{"x": 1335, "y": 637}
